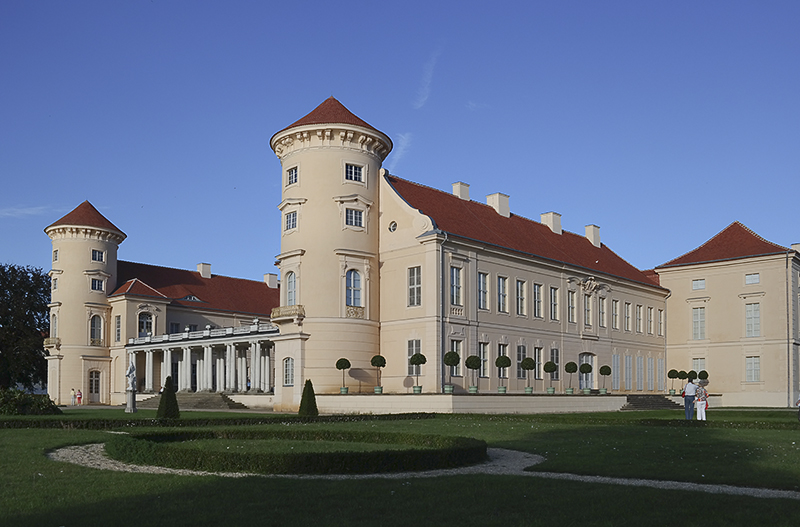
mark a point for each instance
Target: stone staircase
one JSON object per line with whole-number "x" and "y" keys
{"x": 196, "y": 401}
{"x": 649, "y": 402}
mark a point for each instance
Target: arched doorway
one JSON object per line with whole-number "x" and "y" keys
{"x": 94, "y": 386}
{"x": 586, "y": 379}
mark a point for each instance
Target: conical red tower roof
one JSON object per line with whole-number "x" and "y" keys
{"x": 331, "y": 111}
{"x": 86, "y": 215}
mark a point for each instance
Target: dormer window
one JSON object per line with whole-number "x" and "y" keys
{"x": 191, "y": 298}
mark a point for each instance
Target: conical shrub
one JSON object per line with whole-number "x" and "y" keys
{"x": 308, "y": 403}
{"x": 168, "y": 405}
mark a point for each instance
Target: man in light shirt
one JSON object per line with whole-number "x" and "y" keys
{"x": 689, "y": 391}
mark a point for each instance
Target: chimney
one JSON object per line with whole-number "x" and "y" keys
{"x": 204, "y": 269}
{"x": 499, "y": 202}
{"x": 552, "y": 220}
{"x": 461, "y": 190}
{"x": 796, "y": 247}
{"x": 271, "y": 280}
{"x": 593, "y": 234}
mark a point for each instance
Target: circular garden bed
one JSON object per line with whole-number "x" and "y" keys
{"x": 295, "y": 451}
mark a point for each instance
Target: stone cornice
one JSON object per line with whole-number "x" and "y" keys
{"x": 77, "y": 231}
{"x": 346, "y": 136}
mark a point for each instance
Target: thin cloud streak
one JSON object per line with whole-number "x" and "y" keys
{"x": 427, "y": 77}
{"x": 402, "y": 146}
{"x": 22, "y": 212}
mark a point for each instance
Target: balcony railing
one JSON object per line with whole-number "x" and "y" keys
{"x": 283, "y": 313}
{"x": 355, "y": 312}
{"x": 52, "y": 342}
{"x": 97, "y": 342}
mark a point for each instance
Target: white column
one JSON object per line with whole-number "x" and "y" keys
{"x": 207, "y": 384}
{"x": 148, "y": 371}
{"x": 185, "y": 380}
{"x": 242, "y": 373}
{"x": 220, "y": 372}
{"x": 166, "y": 366}
{"x": 230, "y": 367}
{"x": 255, "y": 365}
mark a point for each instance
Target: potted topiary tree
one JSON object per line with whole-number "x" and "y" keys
{"x": 672, "y": 374}
{"x": 168, "y": 405}
{"x": 344, "y": 365}
{"x": 378, "y": 362}
{"x": 308, "y": 402}
{"x": 417, "y": 359}
{"x": 528, "y": 364}
{"x": 691, "y": 375}
{"x": 503, "y": 361}
{"x": 703, "y": 375}
{"x": 451, "y": 359}
{"x": 586, "y": 369}
{"x": 605, "y": 371}
{"x": 550, "y": 368}
{"x": 473, "y": 363}
{"x": 570, "y": 368}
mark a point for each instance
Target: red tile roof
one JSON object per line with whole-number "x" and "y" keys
{"x": 330, "y": 111}
{"x": 476, "y": 221}
{"x": 86, "y": 215}
{"x": 733, "y": 242}
{"x": 218, "y": 293}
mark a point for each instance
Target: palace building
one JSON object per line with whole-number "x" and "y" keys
{"x": 369, "y": 264}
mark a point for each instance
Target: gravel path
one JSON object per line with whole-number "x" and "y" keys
{"x": 501, "y": 462}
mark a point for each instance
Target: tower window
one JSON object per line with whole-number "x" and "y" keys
{"x": 354, "y": 217}
{"x": 291, "y": 289}
{"x": 290, "y": 221}
{"x": 97, "y": 284}
{"x": 353, "y": 173}
{"x": 97, "y": 256}
{"x": 353, "y": 288}
{"x": 55, "y": 255}
{"x": 291, "y": 176}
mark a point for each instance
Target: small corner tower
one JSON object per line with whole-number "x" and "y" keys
{"x": 330, "y": 162}
{"x": 84, "y": 273}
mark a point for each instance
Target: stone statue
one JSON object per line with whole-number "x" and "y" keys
{"x": 131, "y": 375}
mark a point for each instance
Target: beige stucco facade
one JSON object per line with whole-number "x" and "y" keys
{"x": 738, "y": 320}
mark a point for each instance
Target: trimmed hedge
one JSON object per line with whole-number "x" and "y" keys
{"x": 17, "y": 402}
{"x": 434, "y": 452}
{"x": 110, "y": 424}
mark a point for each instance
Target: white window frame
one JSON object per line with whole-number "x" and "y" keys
{"x": 553, "y": 303}
{"x": 555, "y": 357}
{"x": 615, "y": 371}
{"x": 639, "y": 318}
{"x": 354, "y": 172}
{"x": 455, "y": 346}
{"x": 587, "y": 310}
{"x": 502, "y": 294}
{"x": 55, "y": 255}
{"x": 522, "y": 352}
{"x": 537, "y": 300}
{"x": 290, "y": 221}
{"x": 521, "y": 285}
{"x": 753, "y": 369}
{"x": 98, "y": 285}
{"x": 571, "y": 300}
{"x": 292, "y": 176}
{"x": 698, "y": 364}
{"x": 483, "y": 355}
{"x": 354, "y": 217}
{"x": 98, "y": 256}
{"x": 752, "y": 319}
{"x": 502, "y": 351}
{"x": 537, "y": 359}
{"x": 752, "y": 278}
{"x": 288, "y": 371}
{"x": 615, "y": 314}
{"x": 660, "y": 322}
{"x": 628, "y": 372}
{"x": 414, "y": 347}
{"x": 627, "y": 315}
{"x": 601, "y": 306}
{"x": 414, "y": 286}
{"x": 698, "y": 284}
{"x": 455, "y": 286}
{"x": 291, "y": 288}
{"x": 698, "y": 323}
{"x": 649, "y": 320}
{"x": 483, "y": 290}
{"x": 353, "y": 288}
{"x": 117, "y": 328}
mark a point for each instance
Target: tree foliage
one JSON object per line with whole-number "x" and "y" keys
{"x": 168, "y": 405}
{"x": 308, "y": 402}
{"x": 24, "y": 324}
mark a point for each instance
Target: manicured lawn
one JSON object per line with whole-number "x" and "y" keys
{"x": 741, "y": 448}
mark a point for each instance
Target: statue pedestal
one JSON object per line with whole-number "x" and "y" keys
{"x": 130, "y": 408}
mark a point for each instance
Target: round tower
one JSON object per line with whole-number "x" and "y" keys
{"x": 84, "y": 272}
{"x": 330, "y": 162}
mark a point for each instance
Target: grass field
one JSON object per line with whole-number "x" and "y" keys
{"x": 754, "y": 448}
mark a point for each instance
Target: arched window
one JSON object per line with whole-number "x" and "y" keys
{"x": 291, "y": 289}
{"x": 145, "y": 324}
{"x": 53, "y": 325}
{"x": 288, "y": 371}
{"x": 96, "y": 330}
{"x": 353, "y": 288}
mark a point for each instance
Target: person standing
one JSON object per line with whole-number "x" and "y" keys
{"x": 80, "y": 396}
{"x": 689, "y": 392}
{"x": 72, "y": 395}
{"x": 702, "y": 401}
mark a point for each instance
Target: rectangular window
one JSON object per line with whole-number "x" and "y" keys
{"x": 698, "y": 284}
{"x": 555, "y": 358}
{"x": 290, "y": 221}
{"x": 615, "y": 314}
{"x": 414, "y": 286}
{"x": 97, "y": 256}
{"x": 353, "y": 173}
{"x": 54, "y": 283}
{"x": 291, "y": 176}
{"x": 522, "y": 352}
{"x": 698, "y": 365}
{"x": 650, "y": 320}
{"x": 615, "y": 371}
{"x": 571, "y": 306}
{"x": 752, "y": 369}
{"x": 455, "y": 347}
{"x": 55, "y": 255}
{"x": 97, "y": 285}
{"x": 602, "y": 307}
{"x": 698, "y": 323}
{"x": 483, "y": 354}
{"x": 502, "y": 294}
{"x": 752, "y": 320}
{"x": 354, "y": 217}
{"x": 587, "y": 310}
{"x": 628, "y": 372}
{"x": 483, "y": 291}
{"x": 639, "y": 321}
{"x": 288, "y": 371}
{"x": 117, "y": 328}
{"x": 192, "y": 327}
{"x": 537, "y": 300}
{"x": 502, "y": 351}
{"x": 553, "y": 303}
{"x": 174, "y": 327}
{"x": 650, "y": 375}
{"x": 455, "y": 286}
{"x": 537, "y": 359}
{"x": 627, "y": 315}
{"x": 639, "y": 373}
{"x": 752, "y": 278}
{"x": 521, "y": 297}
{"x": 413, "y": 349}
{"x": 661, "y": 367}
{"x": 660, "y": 322}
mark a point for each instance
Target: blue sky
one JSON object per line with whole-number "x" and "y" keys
{"x": 661, "y": 122}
